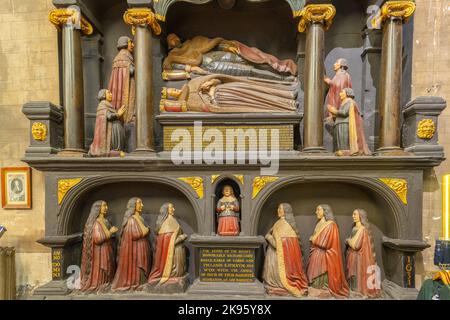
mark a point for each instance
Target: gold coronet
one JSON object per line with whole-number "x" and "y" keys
{"x": 399, "y": 186}
{"x": 61, "y": 16}
{"x": 64, "y": 185}
{"x": 313, "y": 13}
{"x": 426, "y": 129}
{"x": 394, "y": 9}
{"x": 259, "y": 183}
{"x": 196, "y": 183}
{"x": 142, "y": 17}
{"x": 39, "y": 131}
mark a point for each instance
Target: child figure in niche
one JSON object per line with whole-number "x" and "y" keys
{"x": 228, "y": 213}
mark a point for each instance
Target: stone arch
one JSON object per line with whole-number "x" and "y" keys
{"x": 397, "y": 210}
{"x": 79, "y": 192}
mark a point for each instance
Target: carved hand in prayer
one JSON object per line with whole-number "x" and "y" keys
{"x": 113, "y": 229}
{"x": 332, "y": 109}
{"x": 223, "y": 207}
{"x": 327, "y": 80}
{"x": 121, "y": 111}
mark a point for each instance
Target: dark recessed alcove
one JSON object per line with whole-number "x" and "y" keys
{"x": 153, "y": 195}
{"x": 343, "y": 198}
{"x": 218, "y": 195}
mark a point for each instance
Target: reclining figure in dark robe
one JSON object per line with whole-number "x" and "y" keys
{"x": 202, "y": 56}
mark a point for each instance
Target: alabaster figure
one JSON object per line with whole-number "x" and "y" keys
{"x": 97, "y": 259}
{"x": 227, "y": 94}
{"x": 170, "y": 255}
{"x": 122, "y": 83}
{"x": 109, "y": 134}
{"x": 283, "y": 272}
{"x": 348, "y": 130}
{"x": 339, "y": 82}
{"x": 134, "y": 256}
{"x": 325, "y": 267}
{"x": 361, "y": 261}
{"x": 201, "y": 55}
{"x": 228, "y": 210}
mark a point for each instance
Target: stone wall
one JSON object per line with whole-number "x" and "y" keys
{"x": 431, "y": 76}
{"x": 28, "y": 71}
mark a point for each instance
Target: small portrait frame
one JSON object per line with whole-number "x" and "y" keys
{"x": 16, "y": 187}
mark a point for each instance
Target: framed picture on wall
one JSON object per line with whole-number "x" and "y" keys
{"x": 16, "y": 188}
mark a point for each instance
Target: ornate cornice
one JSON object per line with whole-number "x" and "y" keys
{"x": 142, "y": 17}
{"x": 196, "y": 183}
{"x": 316, "y": 13}
{"x": 64, "y": 185}
{"x": 395, "y": 9}
{"x": 399, "y": 186}
{"x": 62, "y": 16}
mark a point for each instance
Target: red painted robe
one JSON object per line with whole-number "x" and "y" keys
{"x": 101, "y": 270}
{"x": 285, "y": 268}
{"x": 339, "y": 82}
{"x": 170, "y": 256}
{"x": 359, "y": 259}
{"x": 122, "y": 84}
{"x": 134, "y": 257}
{"x": 326, "y": 257}
{"x": 228, "y": 224}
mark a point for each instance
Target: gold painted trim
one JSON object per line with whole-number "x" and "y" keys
{"x": 142, "y": 17}
{"x": 196, "y": 183}
{"x": 59, "y": 17}
{"x": 426, "y": 129}
{"x": 394, "y": 9}
{"x": 214, "y": 178}
{"x": 259, "y": 183}
{"x": 39, "y": 131}
{"x": 240, "y": 177}
{"x": 316, "y": 13}
{"x": 399, "y": 186}
{"x": 64, "y": 185}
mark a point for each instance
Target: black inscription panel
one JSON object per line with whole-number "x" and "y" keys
{"x": 227, "y": 265}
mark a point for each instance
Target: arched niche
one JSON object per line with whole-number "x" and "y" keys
{"x": 384, "y": 210}
{"x": 153, "y": 194}
{"x": 218, "y": 188}
{"x": 267, "y": 25}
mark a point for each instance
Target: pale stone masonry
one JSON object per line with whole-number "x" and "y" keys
{"x": 431, "y": 76}
{"x": 29, "y": 71}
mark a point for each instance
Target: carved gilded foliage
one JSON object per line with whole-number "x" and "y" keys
{"x": 196, "y": 183}
{"x": 400, "y": 187}
{"x": 64, "y": 185}
{"x": 259, "y": 183}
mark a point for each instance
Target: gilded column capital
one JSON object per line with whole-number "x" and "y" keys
{"x": 142, "y": 17}
{"x": 395, "y": 9}
{"x": 316, "y": 13}
{"x": 70, "y": 16}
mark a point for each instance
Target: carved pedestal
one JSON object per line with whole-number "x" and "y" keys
{"x": 420, "y": 133}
